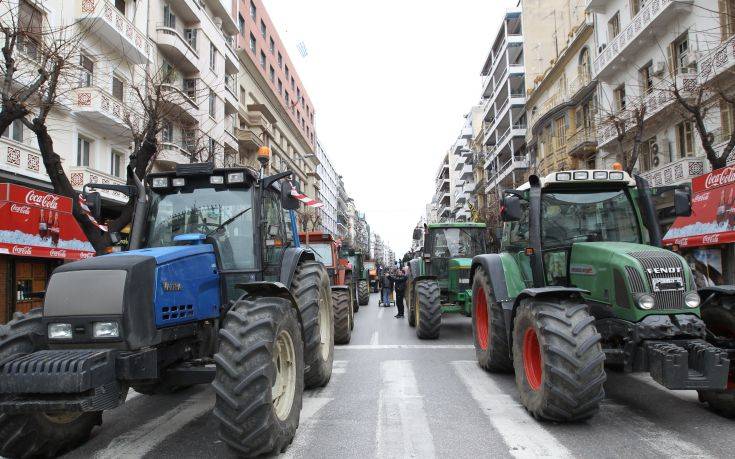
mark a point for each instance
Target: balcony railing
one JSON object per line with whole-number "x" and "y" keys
{"x": 20, "y": 158}
{"x": 98, "y": 106}
{"x": 677, "y": 172}
{"x": 514, "y": 163}
{"x": 182, "y": 52}
{"x": 112, "y": 26}
{"x": 81, "y": 175}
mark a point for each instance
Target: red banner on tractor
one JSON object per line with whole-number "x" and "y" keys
{"x": 34, "y": 223}
{"x": 713, "y": 212}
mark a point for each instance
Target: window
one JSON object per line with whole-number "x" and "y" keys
{"x": 726, "y": 121}
{"x": 212, "y": 56}
{"x": 619, "y": 95}
{"x": 253, "y": 11}
{"x": 116, "y": 163}
{"x": 168, "y": 72}
{"x": 118, "y": 91}
{"x": 272, "y": 73}
{"x": 190, "y": 88}
{"x": 280, "y": 60}
{"x": 288, "y": 74}
{"x": 15, "y": 131}
{"x": 636, "y": 6}
{"x": 298, "y": 93}
{"x": 280, "y": 87}
{"x": 647, "y": 159}
{"x": 685, "y": 139}
{"x": 212, "y": 103}
{"x": 169, "y": 18}
{"x": 262, "y": 60}
{"x": 727, "y": 18}
{"x": 252, "y": 43}
{"x": 287, "y": 98}
{"x": 191, "y": 38}
{"x": 167, "y": 132}
{"x": 680, "y": 53}
{"x": 263, "y": 31}
{"x": 272, "y": 46}
{"x": 293, "y": 85}
{"x": 211, "y": 148}
{"x": 30, "y": 23}
{"x": 86, "y": 78}
{"x": 646, "y": 77}
{"x": 120, "y": 5}
{"x": 613, "y": 26}
{"x": 83, "y": 148}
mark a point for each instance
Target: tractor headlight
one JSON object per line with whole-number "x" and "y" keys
{"x": 692, "y": 300}
{"x": 159, "y": 182}
{"x": 216, "y": 180}
{"x": 616, "y": 176}
{"x": 59, "y": 331}
{"x": 106, "y": 330}
{"x": 178, "y": 181}
{"x": 235, "y": 177}
{"x": 645, "y": 301}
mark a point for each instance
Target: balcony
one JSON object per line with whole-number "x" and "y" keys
{"x": 466, "y": 172}
{"x": 81, "y": 175}
{"x": 504, "y": 170}
{"x": 582, "y": 143}
{"x": 223, "y": 10}
{"x": 229, "y": 138}
{"x": 22, "y": 159}
{"x": 677, "y": 172}
{"x": 247, "y": 139}
{"x": 580, "y": 83}
{"x": 177, "y": 49}
{"x": 99, "y": 108}
{"x": 231, "y": 102}
{"x": 104, "y": 20}
{"x": 172, "y": 152}
{"x": 623, "y": 46}
{"x": 232, "y": 64}
{"x": 180, "y": 103}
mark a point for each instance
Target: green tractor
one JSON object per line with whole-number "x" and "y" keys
{"x": 439, "y": 279}
{"x": 582, "y": 284}
{"x": 360, "y": 276}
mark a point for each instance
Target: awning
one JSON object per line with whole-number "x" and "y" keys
{"x": 34, "y": 223}
{"x": 713, "y": 212}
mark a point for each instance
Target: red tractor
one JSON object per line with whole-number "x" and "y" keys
{"x": 326, "y": 251}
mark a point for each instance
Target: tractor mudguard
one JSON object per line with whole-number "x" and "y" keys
{"x": 291, "y": 259}
{"x": 493, "y": 265}
{"x": 709, "y": 293}
{"x": 414, "y": 267}
{"x": 269, "y": 290}
{"x": 420, "y": 278}
{"x": 541, "y": 292}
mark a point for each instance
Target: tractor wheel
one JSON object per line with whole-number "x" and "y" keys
{"x": 428, "y": 313}
{"x": 259, "y": 384}
{"x": 411, "y": 303}
{"x": 342, "y": 316}
{"x": 488, "y": 327}
{"x": 352, "y": 311}
{"x": 558, "y": 360}
{"x": 364, "y": 293}
{"x": 720, "y": 320}
{"x": 38, "y": 434}
{"x": 310, "y": 288}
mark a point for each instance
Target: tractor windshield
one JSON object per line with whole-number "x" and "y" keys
{"x": 458, "y": 242}
{"x": 323, "y": 252}
{"x": 222, "y": 214}
{"x": 573, "y": 216}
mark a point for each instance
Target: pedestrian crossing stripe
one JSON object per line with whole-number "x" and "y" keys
{"x": 368, "y": 347}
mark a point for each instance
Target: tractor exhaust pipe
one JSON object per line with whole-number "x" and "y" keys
{"x": 141, "y": 207}
{"x": 534, "y": 233}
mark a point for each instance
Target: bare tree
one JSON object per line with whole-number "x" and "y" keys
{"x": 310, "y": 219}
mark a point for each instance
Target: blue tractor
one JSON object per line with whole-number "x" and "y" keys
{"x": 213, "y": 290}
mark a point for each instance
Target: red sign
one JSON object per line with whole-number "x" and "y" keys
{"x": 34, "y": 223}
{"x": 713, "y": 212}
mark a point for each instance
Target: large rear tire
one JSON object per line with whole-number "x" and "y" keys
{"x": 342, "y": 316}
{"x": 558, "y": 360}
{"x": 488, "y": 327}
{"x": 363, "y": 292}
{"x": 37, "y": 434}
{"x": 428, "y": 314}
{"x": 310, "y": 288}
{"x": 259, "y": 382}
{"x": 720, "y": 320}
{"x": 411, "y": 304}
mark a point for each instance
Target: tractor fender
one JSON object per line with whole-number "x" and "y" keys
{"x": 290, "y": 261}
{"x": 414, "y": 267}
{"x": 266, "y": 289}
{"x": 715, "y": 294}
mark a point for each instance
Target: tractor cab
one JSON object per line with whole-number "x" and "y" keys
{"x": 448, "y": 251}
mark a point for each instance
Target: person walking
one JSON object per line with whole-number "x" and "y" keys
{"x": 399, "y": 282}
{"x": 386, "y": 285}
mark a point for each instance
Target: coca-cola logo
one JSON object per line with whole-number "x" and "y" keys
{"x": 720, "y": 178}
{"x": 701, "y": 197}
{"x": 86, "y": 255}
{"x": 58, "y": 253}
{"x": 22, "y": 250}
{"x": 47, "y": 201}
{"x": 711, "y": 239}
{"x": 19, "y": 209}
{"x": 684, "y": 241}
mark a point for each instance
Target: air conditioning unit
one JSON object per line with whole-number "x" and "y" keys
{"x": 601, "y": 48}
{"x": 658, "y": 68}
{"x": 589, "y": 19}
{"x": 689, "y": 60}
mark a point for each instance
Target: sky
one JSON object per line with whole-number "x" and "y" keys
{"x": 390, "y": 82}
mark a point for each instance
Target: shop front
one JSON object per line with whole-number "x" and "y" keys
{"x": 37, "y": 233}
{"x": 706, "y": 237}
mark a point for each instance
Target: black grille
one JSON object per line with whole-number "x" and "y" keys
{"x": 463, "y": 274}
{"x": 652, "y": 260}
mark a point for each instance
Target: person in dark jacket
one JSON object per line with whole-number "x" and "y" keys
{"x": 399, "y": 283}
{"x": 386, "y": 284}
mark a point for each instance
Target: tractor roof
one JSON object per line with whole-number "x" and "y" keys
{"x": 584, "y": 177}
{"x": 456, "y": 225}
{"x": 316, "y": 236}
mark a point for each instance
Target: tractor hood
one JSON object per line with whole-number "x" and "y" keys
{"x": 617, "y": 273}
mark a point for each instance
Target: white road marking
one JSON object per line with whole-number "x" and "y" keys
{"x": 311, "y": 407}
{"x": 339, "y": 366}
{"x": 374, "y": 346}
{"x": 145, "y": 438}
{"x": 523, "y": 435}
{"x": 686, "y": 395}
{"x": 132, "y": 395}
{"x": 380, "y": 313}
{"x": 403, "y": 428}
{"x": 374, "y": 339}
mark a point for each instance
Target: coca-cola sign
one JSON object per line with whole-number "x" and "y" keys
{"x": 20, "y": 209}
{"x": 57, "y": 253}
{"x": 24, "y": 250}
{"x": 715, "y": 179}
{"x": 45, "y": 200}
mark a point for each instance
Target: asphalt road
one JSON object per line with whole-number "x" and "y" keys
{"x": 392, "y": 395}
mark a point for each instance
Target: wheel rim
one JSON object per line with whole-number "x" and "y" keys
{"x": 64, "y": 417}
{"x": 725, "y": 332}
{"x": 325, "y": 330}
{"x": 532, "y": 359}
{"x": 284, "y": 386}
{"x": 481, "y": 319}
{"x": 416, "y": 310}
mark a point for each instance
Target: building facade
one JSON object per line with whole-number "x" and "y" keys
{"x": 328, "y": 191}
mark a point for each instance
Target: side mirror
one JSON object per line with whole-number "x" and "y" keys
{"x": 682, "y": 203}
{"x": 510, "y": 210}
{"x": 94, "y": 202}
{"x": 287, "y": 201}
{"x": 417, "y": 233}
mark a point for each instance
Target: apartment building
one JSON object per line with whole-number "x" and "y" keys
{"x": 463, "y": 180}
{"x": 328, "y": 191}
{"x": 503, "y": 102}
{"x": 561, "y": 104}
{"x": 342, "y": 217}
{"x": 442, "y": 200}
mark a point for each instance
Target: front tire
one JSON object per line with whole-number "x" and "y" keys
{"x": 342, "y": 316}
{"x": 558, "y": 360}
{"x": 410, "y": 302}
{"x": 428, "y": 314}
{"x": 38, "y": 434}
{"x": 363, "y": 293}
{"x": 488, "y": 327}
{"x": 259, "y": 383}
{"x": 720, "y": 320}
{"x": 311, "y": 290}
